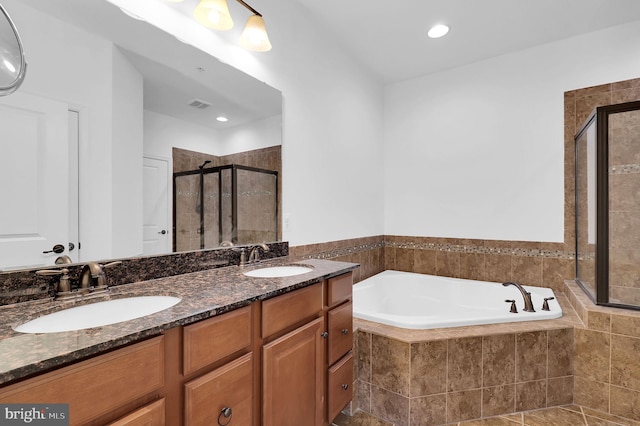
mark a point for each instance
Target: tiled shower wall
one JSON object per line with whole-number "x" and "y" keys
{"x": 607, "y": 374}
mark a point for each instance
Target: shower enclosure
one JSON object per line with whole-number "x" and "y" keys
{"x": 607, "y": 153}
{"x": 226, "y": 203}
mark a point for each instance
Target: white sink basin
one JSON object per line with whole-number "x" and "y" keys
{"x": 279, "y": 271}
{"x": 98, "y": 314}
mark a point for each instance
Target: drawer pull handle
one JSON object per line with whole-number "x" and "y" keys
{"x": 345, "y": 331}
{"x": 345, "y": 386}
{"x": 324, "y": 334}
{"x": 226, "y": 413}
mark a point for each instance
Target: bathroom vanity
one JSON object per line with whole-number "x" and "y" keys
{"x": 236, "y": 350}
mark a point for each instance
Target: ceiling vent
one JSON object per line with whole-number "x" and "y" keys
{"x": 199, "y": 103}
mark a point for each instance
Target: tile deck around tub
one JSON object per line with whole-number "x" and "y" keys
{"x": 566, "y": 415}
{"x": 569, "y": 319}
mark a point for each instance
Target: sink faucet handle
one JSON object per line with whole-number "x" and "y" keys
{"x": 63, "y": 285}
{"x": 513, "y": 310}
{"x": 545, "y": 304}
{"x": 110, "y": 264}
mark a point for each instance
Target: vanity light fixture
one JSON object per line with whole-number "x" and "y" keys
{"x": 438, "y": 31}
{"x": 215, "y": 14}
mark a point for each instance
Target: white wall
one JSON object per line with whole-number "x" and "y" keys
{"x": 127, "y": 140}
{"x": 478, "y": 151}
{"x": 255, "y": 135}
{"x": 162, "y": 133}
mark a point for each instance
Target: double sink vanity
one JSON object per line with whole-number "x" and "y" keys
{"x": 266, "y": 344}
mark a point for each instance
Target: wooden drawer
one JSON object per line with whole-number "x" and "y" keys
{"x": 230, "y": 386}
{"x": 340, "y": 328}
{"x": 340, "y": 384}
{"x": 289, "y": 309}
{"x": 99, "y": 385}
{"x": 339, "y": 289}
{"x": 152, "y": 414}
{"x": 211, "y": 340}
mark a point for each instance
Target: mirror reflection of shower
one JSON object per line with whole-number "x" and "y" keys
{"x": 226, "y": 203}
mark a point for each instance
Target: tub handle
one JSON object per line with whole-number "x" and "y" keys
{"x": 345, "y": 331}
{"x": 513, "y": 310}
{"x": 545, "y": 304}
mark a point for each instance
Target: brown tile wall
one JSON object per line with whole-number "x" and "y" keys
{"x": 368, "y": 252}
{"x": 606, "y": 351}
{"x": 451, "y": 380}
{"x": 530, "y": 263}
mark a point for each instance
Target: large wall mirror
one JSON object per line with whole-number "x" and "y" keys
{"x": 90, "y": 139}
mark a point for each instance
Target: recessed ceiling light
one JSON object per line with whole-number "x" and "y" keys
{"x": 222, "y": 118}
{"x": 438, "y": 31}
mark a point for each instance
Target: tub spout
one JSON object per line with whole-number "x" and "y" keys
{"x": 528, "y": 304}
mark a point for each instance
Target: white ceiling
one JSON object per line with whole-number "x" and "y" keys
{"x": 389, "y": 37}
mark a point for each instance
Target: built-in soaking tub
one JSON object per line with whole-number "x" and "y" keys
{"x": 419, "y": 301}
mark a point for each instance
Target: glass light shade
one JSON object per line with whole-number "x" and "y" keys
{"x": 214, "y": 14}
{"x": 254, "y": 37}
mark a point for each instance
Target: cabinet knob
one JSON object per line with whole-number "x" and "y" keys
{"x": 345, "y": 331}
{"x": 345, "y": 386}
{"x": 324, "y": 334}
{"x": 224, "y": 418}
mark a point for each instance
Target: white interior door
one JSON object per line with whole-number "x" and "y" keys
{"x": 34, "y": 169}
{"x": 156, "y": 223}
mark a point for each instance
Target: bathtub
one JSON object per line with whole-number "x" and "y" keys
{"x": 418, "y": 301}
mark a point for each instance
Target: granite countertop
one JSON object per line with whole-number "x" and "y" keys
{"x": 204, "y": 294}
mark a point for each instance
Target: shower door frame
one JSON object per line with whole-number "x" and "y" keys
{"x": 234, "y": 199}
{"x": 601, "y": 117}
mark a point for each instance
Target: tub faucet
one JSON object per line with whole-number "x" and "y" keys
{"x": 528, "y": 305}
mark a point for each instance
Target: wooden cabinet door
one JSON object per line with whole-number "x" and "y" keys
{"x": 228, "y": 388}
{"x": 340, "y": 328}
{"x": 149, "y": 415}
{"x": 340, "y": 386}
{"x": 293, "y": 378}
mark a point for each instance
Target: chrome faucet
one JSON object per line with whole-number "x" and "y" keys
{"x": 93, "y": 277}
{"x": 254, "y": 254}
{"x": 528, "y": 304}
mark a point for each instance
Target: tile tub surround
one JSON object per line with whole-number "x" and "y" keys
{"x": 607, "y": 360}
{"x": 25, "y": 285}
{"x": 530, "y": 263}
{"x": 417, "y": 377}
{"x": 204, "y": 294}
